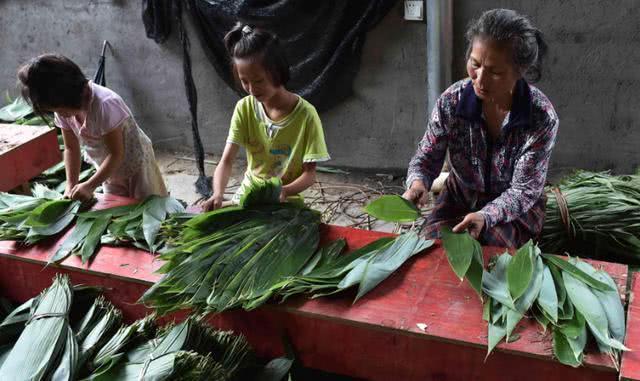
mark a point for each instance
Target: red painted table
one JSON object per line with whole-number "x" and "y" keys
{"x": 25, "y": 152}
{"x": 630, "y": 368}
{"x": 376, "y": 339}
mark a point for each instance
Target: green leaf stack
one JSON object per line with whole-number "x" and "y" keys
{"x": 571, "y": 297}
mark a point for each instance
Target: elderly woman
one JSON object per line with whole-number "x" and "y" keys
{"x": 499, "y": 131}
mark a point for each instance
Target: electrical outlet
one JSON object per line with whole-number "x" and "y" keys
{"x": 413, "y": 10}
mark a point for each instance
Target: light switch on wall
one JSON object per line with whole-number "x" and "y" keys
{"x": 414, "y": 10}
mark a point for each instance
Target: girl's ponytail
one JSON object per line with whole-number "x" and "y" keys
{"x": 233, "y": 37}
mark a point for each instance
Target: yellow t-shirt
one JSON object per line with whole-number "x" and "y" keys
{"x": 277, "y": 148}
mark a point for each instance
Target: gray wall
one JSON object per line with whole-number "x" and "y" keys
{"x": 592, "y": 77}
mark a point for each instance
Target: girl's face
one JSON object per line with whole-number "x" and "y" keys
{"x": 491, "y": 69}
{"x": 254, "y": 79}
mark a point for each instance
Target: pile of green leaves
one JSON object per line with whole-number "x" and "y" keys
{"x": 56, "y": 178}
{"x": 328, "y": 272}
{"x": 571, "y": 297}
{"x": 139, "y": 225}
{"x": 31, "y": 219}
{"x": 234, "y": 257}
{"x": 19, "y": 111}
{"x": 604, "y": 217}
{"x": 261, "y": 192}
{"x": 189, "y": 350}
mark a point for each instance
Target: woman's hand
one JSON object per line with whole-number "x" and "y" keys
{"x": 283, "y": 195}
{"x": 212, "y": 203}
{"x": 473, "y": 222}
{"x": 417, "y": 193}
{"x": 82, "y": 192}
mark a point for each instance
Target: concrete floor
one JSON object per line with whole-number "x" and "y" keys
{"x": 339, "y": 196}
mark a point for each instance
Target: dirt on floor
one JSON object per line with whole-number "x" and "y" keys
{"x": 339, "y": 195}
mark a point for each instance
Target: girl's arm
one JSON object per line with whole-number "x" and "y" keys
{"x": 71, "y": 159}
{"x": 304, "y": 181}
{"x": 114, "y": 141}
{"x": 221, "y": 177}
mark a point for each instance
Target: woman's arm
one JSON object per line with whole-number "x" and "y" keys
{"x": 114, "y": 141}
{"x": 221, "y": 177}
{"x": 426, "y": 164}
{"x": 304, "y": 181}
{"x": 72, "y": 159}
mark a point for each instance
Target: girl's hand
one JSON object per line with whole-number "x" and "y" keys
{"x": 212, "y": 203}
{"x": 473, "y": 222}
{"x": 417, "y": 193}
{"x": 82, "y": 192}
{"x": 67, "y": 190}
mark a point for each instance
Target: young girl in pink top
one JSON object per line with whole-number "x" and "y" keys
{"x": 97, "y": 119}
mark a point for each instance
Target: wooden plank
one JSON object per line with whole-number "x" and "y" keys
{"x": 378, "y": 338}
{"x": 25, "y": 152}
{"x": 630, "y": 368}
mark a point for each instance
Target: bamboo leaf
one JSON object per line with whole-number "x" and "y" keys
{"x": 460, "y": 249}
{"x": 380, "y": 266}
{"x": 496, "y": 334}
{"x": 577, "y": 273}
{"x": 540, "y": 317}
{"x": 152, "y": 216}
{"x": 524, "y": 303}
{"x": 590, "y": 308}
{"x": 67, "y": 368}
{"x": 73, "y": 242}
{"x": 563, "y": 351}
{"x": 393, "y": 208}
{"x": 98, "y": 228}
{"x": 520, "y": 270}
{"x": 475, "y": 272}
{"x": 548, "y": 299}
{"x": 494, "y": 282}
{"x": 610, "y": 300}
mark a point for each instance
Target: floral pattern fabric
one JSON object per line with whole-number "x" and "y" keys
{"x": 512, "y": 168}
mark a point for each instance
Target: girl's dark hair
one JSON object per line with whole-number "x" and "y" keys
{"x": 526, "y": 41}
{"x": 247, "y": 41}
{"x": 50, "y": 81}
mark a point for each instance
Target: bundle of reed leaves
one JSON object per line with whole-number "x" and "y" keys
{"x": 603, "y": 219}
{"x": 187, "y": 351}
{"x": 574, "y": 299}
{"x": 57, "y": 336}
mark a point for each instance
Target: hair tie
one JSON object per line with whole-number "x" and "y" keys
{"x": 246, "y": 29}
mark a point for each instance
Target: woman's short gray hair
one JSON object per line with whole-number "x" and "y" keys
{"x": 505, "y": 25}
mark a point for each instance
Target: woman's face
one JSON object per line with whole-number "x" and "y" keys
{"x": 254, "y": 79}
{"x": 491, "y": 69}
